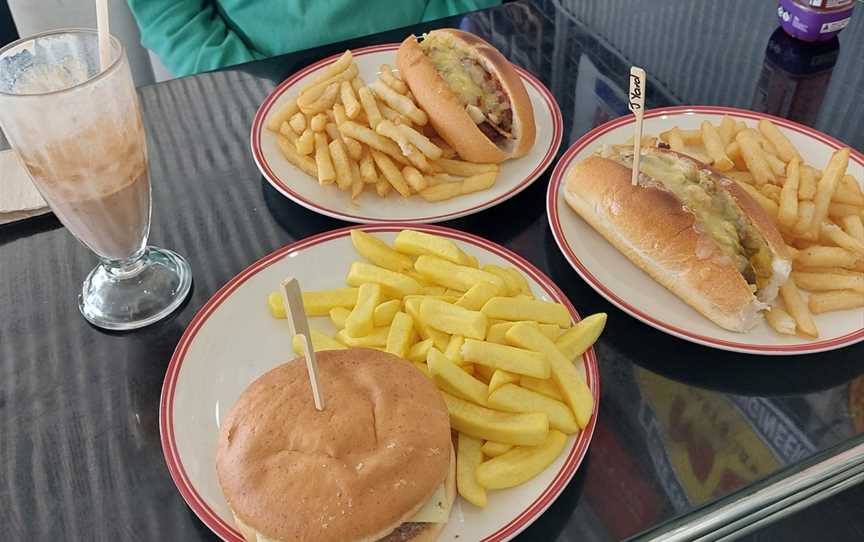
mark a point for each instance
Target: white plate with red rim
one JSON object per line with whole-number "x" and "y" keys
{"x": 516, "y": 175}
{"x": 233, "y": 340}
{"x": 629, "y": 288}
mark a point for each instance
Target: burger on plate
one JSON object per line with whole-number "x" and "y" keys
{"x": 376, "y": 464}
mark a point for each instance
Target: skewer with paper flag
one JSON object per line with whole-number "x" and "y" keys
{"x": 637, "y": 106}
{"x": 292, "y": 299}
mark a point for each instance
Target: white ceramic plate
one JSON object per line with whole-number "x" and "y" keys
{"x": 233, "y": 340}
{"x": 614, "y": 277}
{"x": 516, "y": 175}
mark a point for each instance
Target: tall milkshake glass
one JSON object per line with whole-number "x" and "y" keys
{"x": 77, "y": 130}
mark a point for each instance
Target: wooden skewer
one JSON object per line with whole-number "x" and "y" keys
{"x": 299, "y": 325}
{"x": 637, "y": 106}
{"x": 104, "y": 34}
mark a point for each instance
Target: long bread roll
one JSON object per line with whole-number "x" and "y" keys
{"x": 692, "y": 230}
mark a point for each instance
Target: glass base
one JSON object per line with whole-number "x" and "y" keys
{"x": 140, "y": 294}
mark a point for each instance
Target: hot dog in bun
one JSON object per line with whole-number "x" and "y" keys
{"x": 694, "y": 231}
{"x": 474, "y": 97}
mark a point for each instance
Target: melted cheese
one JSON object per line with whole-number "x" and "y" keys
{"x": 436, "y": 509}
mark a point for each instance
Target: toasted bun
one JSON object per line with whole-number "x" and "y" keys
{"x": 352, "y": 472}
{"x": 447, "y": 114}
{"x": 650, "y": 227}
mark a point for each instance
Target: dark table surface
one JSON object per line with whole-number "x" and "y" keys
{"x": 680, "y": 425}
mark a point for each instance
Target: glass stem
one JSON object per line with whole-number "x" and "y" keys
{"x": 122, "y": 269}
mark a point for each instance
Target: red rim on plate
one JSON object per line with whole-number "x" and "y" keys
{"x": 555, "y": 184}
{"x": 286, "y": 190}
{"x": 166, "y": 406}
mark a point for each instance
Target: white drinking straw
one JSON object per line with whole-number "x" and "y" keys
{"x": 104, "y": 33}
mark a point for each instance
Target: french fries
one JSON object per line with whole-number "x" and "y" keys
{"x": 715, "y": 147}
{"x": 491, "y": 448}
{"x": 507, "y": 358}
{"x": 320, "y": 342}
{"x": 452, "y": 319}
{"x": 836, "y": 300}
{"x": 469, "y": 456}
{"x": 521, "y": 463}
{"x": 360, "y": 321}
{"x": 305, "y": 163}
{"x": 797, "y": 308}
{"x": 380, "y": 253}
{"x": 485, "y": 423}
{"x": 780, "y": 320}
{"x": 785, "y": 150}
{"x": 573, "y": 388}
{"x": 450, "y": 275}
{"x": 508, "y": 308}
{"x": 391, "y": 81}
{"x": 787, "y": 213}
{"x": 393, "y": 284}
{"x": 455, "y": 378}
{"x": 401, "y": 104}
{"x": 513, "y": 398}
{"x": 400, "y": 334}
{"x": 834, "y": 171}
{"x": 754, "y": 157}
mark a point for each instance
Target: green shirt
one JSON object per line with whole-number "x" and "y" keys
{"x": 192, "y": 36}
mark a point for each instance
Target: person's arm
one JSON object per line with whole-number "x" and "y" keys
{"x": 189, "y": 35}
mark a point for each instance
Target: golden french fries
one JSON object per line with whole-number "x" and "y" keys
{"x": 391, "y": 173}
{"x": 836, "y": 300}
{"x": 417, "y": 243}
{"x": 485, "y": 423}
{"x": 451, "y": 318}
{"x": 513, "y": 398}
{"x": 546, "y": 386}
{"x": 521, "y": 463}
{"x": 320, "y": 342}
{"x": 507, "y": 358}
{"x": 469, "y": 456}
{"x": 386, "y": 75}
{"x": 817, "y": 282}
{"x": 394, "y": 284}
{"x": 574, "y": 389}
{"x": 787, "y": 213}
{"x": 576, "y": 340}
{"x": 320, "y": 302}
{"x": 400, "y": 334}
{"x": 515, "y": 309}
{"x": 455, "y": 378}
{"x": 754, "y": 156}
{"x": 780, "y": 320}
{"x": 305, "y": 163}
{"x": 379, "y": 253}
{"x": 797, "y": 308}
{"x": 398, "y": 102}
{"x": 360, "y": 321}
{"x": 715, "y": 147}
{"x": 491, "y": 448}
{"x": 282, "y": 114}
{"x": 832, "y": 174}
{"x": 785, "y": 150}
{"x": 455, "y": 276}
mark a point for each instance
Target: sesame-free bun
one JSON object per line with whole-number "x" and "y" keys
{"x": 447, "y": 114}
{"x": 353, "y": 472}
